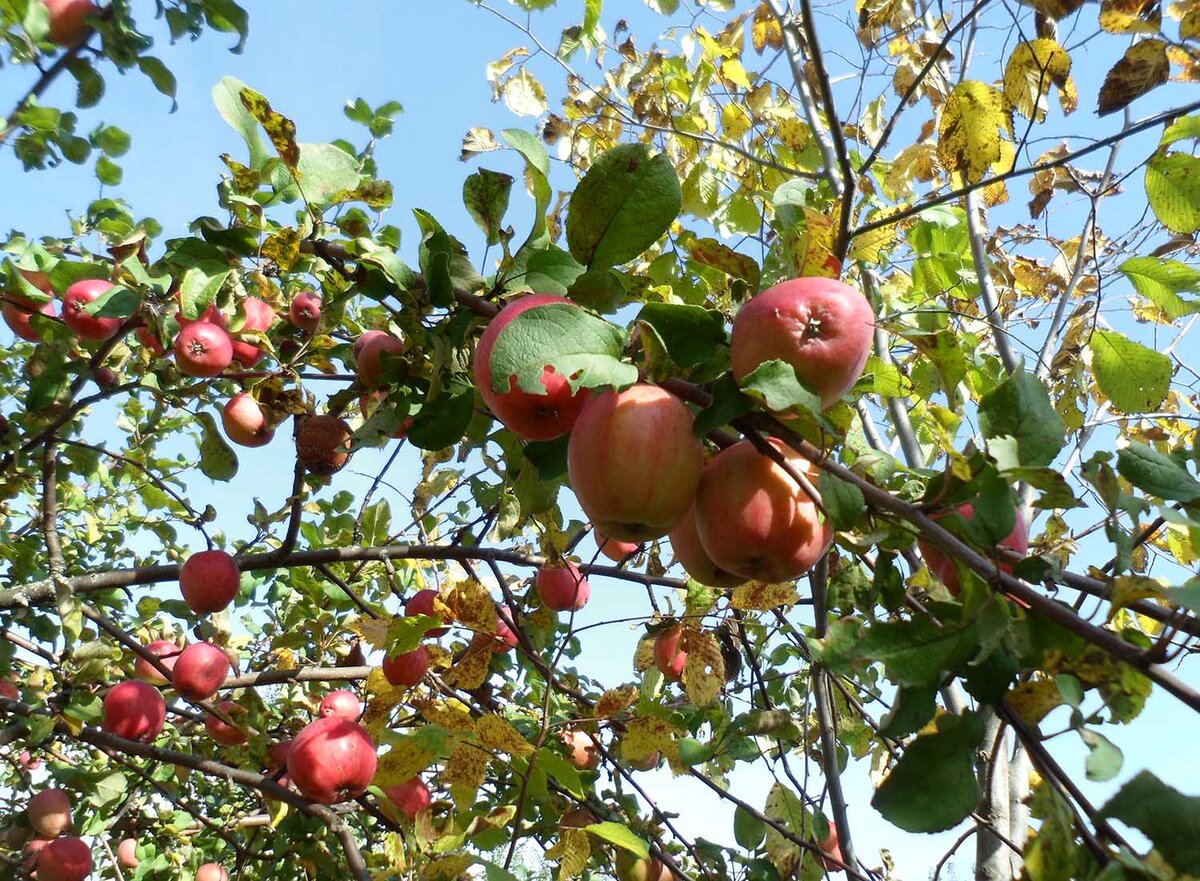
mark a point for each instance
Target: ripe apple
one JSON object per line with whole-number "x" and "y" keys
{"x": 211, "y": 872}
{"x": 64, "y": 859}
{"x": 134, "y": 710}
{"x": 149, "y": 338}
{"x": 634, "y": 462}
{"x": 278, "y": 753}
{"x": 28, "y": 762}
{"x": 617, "y": 551}
{"x": 820, "y": 326}
{"x": 30, "y": 853}
{"x": 259, "y": 318}
{"x": 562, "y": 587}
{"x": 421, "y": 603}
{"x": 200, "y": 671}
{"x": 369, "y": 352}
{"x": 631, "y": 868}
{"x": 943, "y": 567}
{"x": 331, "y": 760}
{"x": 49, "y": 813}
{"x": 203, "y": 349}
{"x": 167, "y": 652}
{"x": 305, "y": 311}
{"x": 18, "y": 310}
{"x": 245, "y": 421}
{"x": 407, "y": 668}
{"x": 323, "y": 444}
{"x": 411, "y": 797}
{"x": 531, "y": 416}
{"x": 581, "y": 750}
{"x": 505, "y": 639}
{"x": 68, "y": 20}
{"x": 340, "y": 703}
{"x": 649, "y": 763}
{"x": 690, "y": 554}
{"x": 222, "y": 732}
{"x": 75, "y": 301}
{"x": 127, "y": 853}
{"x": 667, "y": 656}
{"x": 8, "y": 690}
{"x": 829, "y": 845}
{"x": 209, "y": 581}
{"x": 754, "y": 520}
{"x": 577, "y": 818}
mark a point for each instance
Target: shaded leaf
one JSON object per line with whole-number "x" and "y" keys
{"x": 1143, "y": 67}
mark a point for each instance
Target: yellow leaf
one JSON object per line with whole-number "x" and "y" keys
{"x": 469, "y": 603}
{"x": 974, "y": 121}
{"x": 404, "y": 761}
{"x": 1034, "y": 699}
{"x": 1189, "y": 28}
{"x": 760, "y": 596}
{"x": 809, "y": 245}
{"x": 283, "y": 247}
{"x": 382, "y": 698}
{"x": 1130, "y": 588}
{"x": 765, "y": 30}
{"x": 280, "y": 129}
{"x": 1032, "y": 68}
{"x": 788, "y": 810}
{"x": 643, "y": 656}
{"x": 647, "y": 735}
{"x": 732, "y": 70}
{"x": 794, "y": 133}
{"x": 277, "y": 811}
{"x": 495, "y": 733}
{"x": 524, "y": 95}
{"x": 615, "y": 700}
{"x": 285, "y": 659}
{"x": 573, "y": 850}
{"x": 452, "y": 714}
{"x": 1131, "y": 16}
{"x": 1143, "y": 67}
{"x": 735, "y": 121}
{"x": 373, "y": 631}
{"x": 465, "y": 771}
{"x": 450, "y": 866}
{"x": 870, "y": 246}
{"x": 704, "y": 670}
{"x": 915, "y": 163}
{"x": 469, "y": 672}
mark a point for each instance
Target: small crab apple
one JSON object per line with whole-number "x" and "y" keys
{"x": 64, "y": 859}
{"x": 75, "y": 316}
{"x": 421, "y": 603}
{"x": 411, "y": 796}
{"x": 209, "y": 581}
{"x": 505, "y": 639}
{"x": 149, "y": 338}
{"x": 220, "y": 730}
{"x": 49, "y": 813}
{"x": 133, "y": 710}
{"x": 332, "y": 759}
{"x": 582, "y": 751}
{"x": 340, "y": 703}
{"x": 323, "y": 444}
{"x": 200, "y": 671}
{"x": 668, "y": 657}
{"x": 246, "y": 421}
{"x": 68, "y": 20}
{"x": 562, "y": 587}
{"x": 369, "y": 355}
{"x": 167, "y": 652}
{"x": 407, "y": 668}
{"x": 203, "y": 349}
{"x": 305, "y": 311}
{"x": 617, "y": 551}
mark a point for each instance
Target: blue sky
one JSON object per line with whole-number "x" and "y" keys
{"x": 310, "y": 58}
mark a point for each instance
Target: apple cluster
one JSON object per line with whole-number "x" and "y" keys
{"x": 51, "y": 854}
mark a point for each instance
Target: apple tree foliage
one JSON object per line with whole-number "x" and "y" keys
{"x": 1031, "y": 263}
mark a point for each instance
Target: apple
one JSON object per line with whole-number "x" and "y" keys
{"x": 821, "y": 326}
{"x": 305, "y": 311}
{"x": 278, "y": 753}
{"x": 246, "y": 421}
{"x": 631, "y": 868}
{"x": 8, "y": 690}
{"x": 411, "y": 797}
{"x": 667, "y": 656}
{"x": 134, "y": 710}
{"x": 68, "y": 20}
{"x": 943, "y": 567}
{"x": 649, "y": 763}
{"x": 209, "y": 581}
{"x": 582, "y": 752}
{"x": 829, "y": 845}
{"x": 323, "y": 444}
{"x": 617, "y": 551}
{"x": 421, "y": 603}
{"x": 65, "y": 859}
{"x": 577, "y": 818}
{"x": 340, "y": 703}
{"x": 528, "y": 415}
{"x": 149, "y": 338}
{"x": 106, "y": 377}
{"x": 75, "y": 302}
{"x": 505, "y": 639}
{"x": 690, "y": 554}
{"x": 167, "y": 652}
{"x": 369, "y": 403}
{"x": 222, "y": 732}
{"x": 203, "y": 349}
{"x": 30, "y": 854}
{"x": 259, "y": 318}
{"x": 49, "y": 813}
{"x": 200, "y": 670}
{"x": 754, "y": 520}
{"x": 634, "y": 462}
{"x": 369, "y": 352}
{"x": 18, "y": 309}
{"x": 331, "y": 760}
{"x": 562, "y": 587}
{"x": 406, "y": 668}
{"x": 28, "y": 762}
{"x": 127, "y": 853}
{"x": 211, "y": 872}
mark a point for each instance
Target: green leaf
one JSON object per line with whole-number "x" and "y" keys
{"x": 774, "y": 384}
{"x": 112, "y": 140}
{"x": 598, "y": 289}
{"x": 108, "y": 789}
{"x": 1162, "y": 281}
{"x": 89, "y": 83}
{"x": 1020, "y": 408}
{"x": 690, "y": 334}
{"x": 748, "y": 830}
{"x": 1104, "y": 757}
{"x": 577, "y": 344}
{"x": 492, "y": 872}
{"x": 912, "y": 709}
{"x": 843, "y": 501}
{"x": 622, "y": 206}
{"x": 552, "y": 271}
{"x": 728, "y": 404}
{"x": 324, "y": 175}
{"x": 537, "y": 179}
{"x": 162, "y": 78}
{"x": 1157, "y": 473}
{"x": 198, "y": 290}
{"x": 443, "y": 422}
{"x": 227, "y": 98}
{"x": 218, "y": 461}
{"x": 108, "y": 172}
{"x": 1136, "y": 379}
{"x": 933, "y": 786}
{"x": 1173, "y": 188}
{"x": 620, "y": 835}
{"x": 116, "y": 302}
{"x": 227, "y": 16}
{"x": 485, "y": 195}
{"x": 714, "y": 253}
{"x": 913, "y": 652}
{"x": 1170, "y": 819}
{"x": 560, "y": 771}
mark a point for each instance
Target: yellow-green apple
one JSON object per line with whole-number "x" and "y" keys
{"x": 134, "y": 710}
{"x": 370, "y": 351}
{"x": 200, "y": 671}
{"x": 49, "y": 813}
{"x": 323, "y": 444}
{"x": 246, "y": 421}
{"x": 533, "y": 416}
{"x": 331, "y": 760}
{"x": 64, "y": 859}
{"x": 617, "y": 551}
{"x": 19, "y": 309}
{"x": 562, "y": 586}
{"x": 209, "y": 581}
{"x": 411, "y": 796}
{"x": 581, "y": 750}
{"x": 340, "y": 703}
{"x": 421, "y": 603}
{"x": 74, "y": 314}
{"x": 407, "y": 668}
{"x": 943, "y": 567}
{"x": 820, "y": 326}
{"x": 68, "y": 20}
{"x": 754, "y": 520}
{"x": 634, "y": 462}
{"x": 221, "y": 731}
{"x": 127, "y": 853}
{"x": 690, "y": 554}
{"x": 203, "y": 349}
{"x": 631, "y": 868}
{"x": 668, "y": 657}
{"x": 305, "y": 311}
{"x": 166, "y": 652}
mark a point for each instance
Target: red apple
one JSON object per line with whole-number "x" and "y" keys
{"x": 200, "y": 671}
{"x": 754, "y": 520}
{"x": 305, "y": 311}
{"x": 64, "y": 859}
{"x": 134, "y": 710}
{"x": 30, "y": 854}
{"x": 690, "y": 554}
{"x": 49, "y": 813}
{"x": 369, "y": 352}
{"x": 259, "y": 318}
{"x": 562, "y": 587}
{"x": 211, "y": 872}
{"x": 278, "y": 752}
{"x": 245, "y": 421}
{"x": 8, "y": 690}
{"x": 203, "y": 349}
{"x": 411, "y": 797}
{"x": 75, "y": 301}
{"x": 209, "y": 581}
{"x": 222, "y": 732}
{"x": 127, "y": 853}
{"x": 421, "y": 603}
{"x": 943, "y": 568}
{"x": 331, "y": 760}
{"x": 68, "y": 20}
{"x": 18, "y": 309}
{"x": 829, "y": 845}
{"x": 634, "y": 462}
{"x": 323, "y": 444}
{"x": 505, "y": 639}
{"x": 820, "y": 326}
{"x": 407, "y": 668}
{"x": 617, "y": 551}
{"x": 149, "y": 338}
{"x": 581, "y": 750}
{"x": 28, "y": 762}
{"x": 649, "y": 763}
{"x": 167, "y": 652}
{"x": 667, "y": 656}
{"x": 577, "y": 818}
{"x": 528, "y": 415}
{"x": 340, "y": 703}
{"x": 631, "y": 868}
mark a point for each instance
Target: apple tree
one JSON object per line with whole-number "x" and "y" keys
{"x": 846, "y": 342}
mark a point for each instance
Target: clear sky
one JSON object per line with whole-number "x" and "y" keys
{"x": 310, "y": 57}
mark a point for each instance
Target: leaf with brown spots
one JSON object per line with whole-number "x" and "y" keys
{"x": 616, "y": 700}
{"x": 497, "y": 734}
{"x": 974, "y": 121}
{"x": 760, "y": 596}
{"x": 1143, "y": 67}
{"x": 280, "y": 129}
{"x": 765, "y": 31}
{"x": 704, "y": 671}
{"x": 1131, "y": 16}
{"x": 711, "y": 252}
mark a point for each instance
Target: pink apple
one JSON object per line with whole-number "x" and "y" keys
{"x": 200, "y": 671}
{"x": 209, "y": 581}
{"x": 943, "y": 568}
{"x": 246, "y": 421}
{"x": 331, "y": 760}
{"x": 562, "y": 587}
{"x": 133, "y": 710}
{"x": 340, "y": 703}
{"x": 505, "y": 639}
{"x": 690, "y": 554}
{"x": 259, "y": 318}
{"x": 305, "y": 311}
{"x": 582, "y": 751}
{"x": 407, "y": 668}
{"x": 149, "y": 338}
{"x": 74, "y": 314}
{"x": 668, "y": 657}
{"x": 411, "y": 797}
{"x": 211, "y": 872}
{"x": 421, "y": 603}
{"x": 49, "y": 813}
{"x": 221, "y": 731}
{"x": 203, "y": 349}
{"x": 68, "y": 20}
{"x": 64, "y": 859}
{"x": 832, "y": 850}
{"x": 127, "y": 853}
{"x": 19, "y": 309}
{"x": 617, "y": 551}
{"x": 369, "y": 354}
{"x": 167, "y": 652}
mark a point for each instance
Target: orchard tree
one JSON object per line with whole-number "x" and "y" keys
{"x": 848, "y": 335}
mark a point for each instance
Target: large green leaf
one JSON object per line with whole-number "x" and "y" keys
{"x": 1173, "y": 188}
{"x": 1170, "y": 819}
{"x": 1020, "y": 408}
{"x": 690, "y": 334}
{"x": 1136, "y": 379}
{"x": 1162, "y": 281}
{"x": 620, "y": 835}
{"x": 218, "y": 461}
{"x": 1157, "y": 473}
{"x": 485, "y": 195}
{"x": 227, "y": 96}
